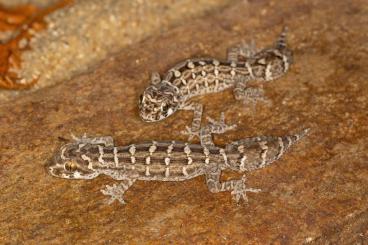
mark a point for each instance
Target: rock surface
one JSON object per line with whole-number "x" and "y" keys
{"x": 315, "y": 194}
{"x": 14, "y": 3}
{"x": 83, "y": 33}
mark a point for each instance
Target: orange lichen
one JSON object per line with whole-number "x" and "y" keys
{"x": 17, "y": 26}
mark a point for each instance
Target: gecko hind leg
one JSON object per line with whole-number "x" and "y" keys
{"x": 237, "y": 188}
{"x": 116, "y": 191}
{"x": 214, "y": 127}
{"x": 244, "y": 51}
{"x": 219, "y": 127}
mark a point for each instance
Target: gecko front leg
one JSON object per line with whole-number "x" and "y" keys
{"x": 197, "y": 118}
{"x": 116, "y": 191}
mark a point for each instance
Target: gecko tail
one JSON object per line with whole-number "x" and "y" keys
{"x": 281, "y": 40}
{"x": 290, "y": 140}
{"x": 259, "y": 151}
{"x": 296, "y": 137}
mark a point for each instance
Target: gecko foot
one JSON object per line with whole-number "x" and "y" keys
{"x": 220, "y": 126}
{"x": 191, "y": 134}
{"x": 240, "y": 191}
{"x": 242, "y": 51}
{"x": 115, "y": 192}
{"x": 247, "y": 49}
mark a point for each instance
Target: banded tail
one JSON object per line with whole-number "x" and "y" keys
{"x": 257, "y": 152}
{"x": 281, "y": 40}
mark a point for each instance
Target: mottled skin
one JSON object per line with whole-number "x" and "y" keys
{"x": 169, "y": 161}
{"x": 201, "y": 76}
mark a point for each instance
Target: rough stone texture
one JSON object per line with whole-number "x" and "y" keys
{"x": 84, "y": 33}
{"x": 13, "y": 3}
{"x": 316, "y": 194}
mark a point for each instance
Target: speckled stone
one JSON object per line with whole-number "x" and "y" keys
{"x": 315, "y": 194}
{"x": 13, "y": 3}
{"x": 85, "y": 32}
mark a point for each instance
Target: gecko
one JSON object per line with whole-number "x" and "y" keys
{"x": 87, "y": 158}
{"x": 200, "y": 76}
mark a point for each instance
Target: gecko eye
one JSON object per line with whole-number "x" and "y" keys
{"x": 165, "y": 108}
{"x": 71, "y": 166}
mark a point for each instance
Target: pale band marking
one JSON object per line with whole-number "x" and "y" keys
{"x": 190, "y": 160}
{"x": 242, "y": 163}
{"x": 177, "y": 73}
{"x": 268, "y": 73}
{"x": 187, "y": 150}
{"x": 185, "y": 173}
{"x": 281, "y": 144}
{"x": 170, "y": 148}
{"x": 116, "y": 159}
{"x": 100, "y": 158}
{"x": 264, "y": 148}
{"x": 206, "y": 151}
{"x": 132, "y": 150}
{"x": 62, "y": 153}
{"x": 147, "y": 171}
{"x": 132, "y": 159}
{"x": 241, "y": 148}
{"x": 286, "y": 63}
{"x": 148, "y": 160}
{"x": 89, "y": 160}
{"x": 152, "y": 148}
{"x": 190, "y": 65}
{"x": 223, "y": 154}
{"x": 167, "y": 172}
{"x": 250, "y": 71}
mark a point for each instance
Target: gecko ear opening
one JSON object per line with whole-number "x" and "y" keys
{"x": 155, "y": 78}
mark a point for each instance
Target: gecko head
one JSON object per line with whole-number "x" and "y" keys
{"x": 271, "y": 63}
{"x": 158, "y": 101}
{"x": 68, "y": 163}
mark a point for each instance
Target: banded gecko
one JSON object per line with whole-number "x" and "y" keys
{"x": 202, "y": 76}
{"x": 87, "y": 158}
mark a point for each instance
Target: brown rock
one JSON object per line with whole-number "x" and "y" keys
{"x": 316, "y": 194}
